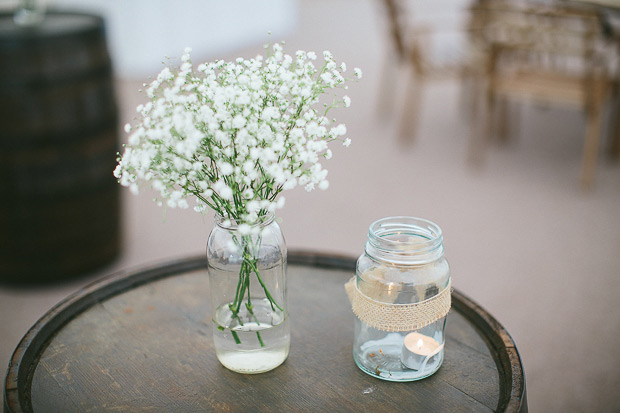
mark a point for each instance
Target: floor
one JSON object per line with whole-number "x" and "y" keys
{"x": 522, "y": 239}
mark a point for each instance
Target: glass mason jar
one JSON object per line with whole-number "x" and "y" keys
{"x": 401, "y": 298}
{"x": 247, "y": 278}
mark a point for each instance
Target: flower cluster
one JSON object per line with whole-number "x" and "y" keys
{"x": 233, "y": 135}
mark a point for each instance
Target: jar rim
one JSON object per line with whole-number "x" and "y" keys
{"x": 405, "y": 240}
{"x": 262, "y": 221}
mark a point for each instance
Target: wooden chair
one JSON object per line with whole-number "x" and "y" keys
{"x": 431, "y": 48}
{"x": 544, "y": 54}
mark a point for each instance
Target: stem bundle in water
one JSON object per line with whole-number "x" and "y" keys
{"x": 249, "y": 266}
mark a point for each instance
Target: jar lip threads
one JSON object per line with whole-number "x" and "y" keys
{"x": 404, "y": 240}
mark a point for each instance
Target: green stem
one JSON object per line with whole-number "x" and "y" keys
{"x": 248, "y": 265}
{"x": 234, "y": 307}
{"x": 260, "y": 280}
{"x": 246, "y": 260}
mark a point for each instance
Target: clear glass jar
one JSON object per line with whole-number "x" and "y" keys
{"x": 403, "y": 268}
{"x": 247, "y": 278}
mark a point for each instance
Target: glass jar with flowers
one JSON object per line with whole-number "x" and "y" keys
{"x": 230, "y": 137}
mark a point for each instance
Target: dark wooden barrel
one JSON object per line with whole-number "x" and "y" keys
{"x": 59, "y": 203}
{"x": 141, "y": 341}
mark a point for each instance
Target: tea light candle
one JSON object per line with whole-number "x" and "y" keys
{"x": 418, "y": 349}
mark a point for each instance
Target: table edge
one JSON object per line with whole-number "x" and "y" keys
{"x": 21, "y": 369}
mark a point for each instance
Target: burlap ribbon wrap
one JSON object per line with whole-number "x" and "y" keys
{"x": 399, "y": 317}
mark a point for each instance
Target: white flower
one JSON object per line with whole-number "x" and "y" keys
{"x": 118, "y": 171}
{"x": 224, "y": 191}
{"x": 289, "y": 184}
{"x": 253, "y": 206}
{"x": 234, "y": 135}
{"x": 238, "y": 122}
{"x": 346, "y": 142}
{"x": 226, "y": 169}
{"x": 327, "y": 78}
{"x": 357, "y": 72}
{"x": 164, "y": 75}
{"x": 340, "y": 130}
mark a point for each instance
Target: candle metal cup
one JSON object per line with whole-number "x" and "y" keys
{"x": 419, "y": 350}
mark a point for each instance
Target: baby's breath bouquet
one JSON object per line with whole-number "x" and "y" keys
{"x": 231, "y": 136}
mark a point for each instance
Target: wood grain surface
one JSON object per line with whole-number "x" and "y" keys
{"x": 141, "y": 341}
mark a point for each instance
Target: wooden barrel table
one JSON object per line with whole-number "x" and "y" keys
{"x": 59, "y": 203}
{"x": 141, "y": 341}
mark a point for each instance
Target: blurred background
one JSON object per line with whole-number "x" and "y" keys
{"x": 453, "y": 121}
